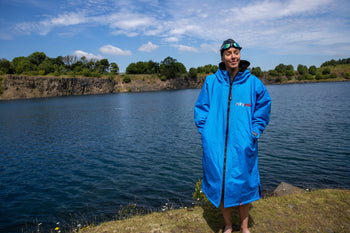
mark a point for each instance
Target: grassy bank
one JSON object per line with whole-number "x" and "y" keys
{"x": 326, "y": 210}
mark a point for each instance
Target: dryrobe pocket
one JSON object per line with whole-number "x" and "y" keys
{"x": 251, "y": 149}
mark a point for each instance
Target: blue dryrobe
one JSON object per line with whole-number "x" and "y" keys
{"x": 230, "y": 125}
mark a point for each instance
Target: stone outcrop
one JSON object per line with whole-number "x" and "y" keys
{"x": 25, "y": 87}
{"x": 284, "y": 189}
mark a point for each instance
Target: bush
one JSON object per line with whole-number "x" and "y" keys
{"x": 86, "y": 72}
{"x": 193, "y": 73}
{"x": 347, "y": 75}
{"x": 273, "y": 73}
{"x": 111, "y": 76}
{"x": 312, "y": 70}
{"x": 289, "y": 74}
{"x": 333, "y": 75}
{"x": 126, "y": 79}
{"x": 306, "y": 77}
{"x": 163, "y": 78}
{"x": 302, "y": 70}
{"x": 95, "y": 74}
{"x": 326, "y": 71}
{"x": 257, "y": 71}
{"x": 319, "y": 76}
{"x": 198, "y": 195}
{"x": 41, "y": 72}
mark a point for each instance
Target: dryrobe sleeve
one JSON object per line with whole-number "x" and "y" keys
{"x": 201, "y": 108}
{"x": 261, "y": 115}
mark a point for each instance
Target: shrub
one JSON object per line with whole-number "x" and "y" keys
{"x": 326, "y": 71}
{"x": 86, "y": 72}
{"x": 41, "y": 72}
{"x": 198, "y": 195}
{"x": 126, "y": 79}
{"x": 289, "y": 74}
{"x": 319, "y": 76}
{"x": 273, "y": 73}
{"x": 96, "y": 74}
{"x": 111, "y": 76}
{"x": 193, "y": 73}
{"x": 302, "y": 69}
{"x": 312, "y": 70}
{"x": 333, "y": 75}
{"x": 347, "y": 75}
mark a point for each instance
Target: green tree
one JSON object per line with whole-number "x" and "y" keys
{"x": 152, "y": 67}
{"x": 257, "y": 71}
{"x": 274, "y": 73}
{"x": 114, "y": 68}
{"x": 170, "y": 68}
{"x": 207, "y": 69}
{"x": 141, "y": 67}
{"x": 102, "y": 66}
{"x": 22, "y": 65}
{"x": 131, "y": 69}
{"x": 193, "y": 73}
{"x": 37, "y": 57}
{"x": 180, "y": 68}
{"x": 281, "y": 68}
{"x": 302, "y": 70}
{"x": 312, "y": 70}
{"x": 326, "y": 70}
{"x": 47, "y": 66}
{"x": 5, "y": 66}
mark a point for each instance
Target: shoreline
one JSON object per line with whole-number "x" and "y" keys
{"x": 16, "y": 87}
{"x": 324, "y": 210}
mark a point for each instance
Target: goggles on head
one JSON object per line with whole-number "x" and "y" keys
{"x": 230, "y": 45}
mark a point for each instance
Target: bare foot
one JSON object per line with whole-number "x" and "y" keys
{"x": 245, "y": 230}
{"x": 228, "y": 229}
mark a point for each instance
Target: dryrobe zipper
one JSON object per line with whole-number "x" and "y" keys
{"x": 227, "y": 126}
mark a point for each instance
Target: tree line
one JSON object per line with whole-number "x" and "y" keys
{"x": 38, "y": 63}
{"x": 286, "y": 72}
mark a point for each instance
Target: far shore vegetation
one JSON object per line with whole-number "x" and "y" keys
{"x": 38, "y": 64}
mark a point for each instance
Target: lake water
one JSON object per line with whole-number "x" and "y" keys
{"x": 72, "y": 160}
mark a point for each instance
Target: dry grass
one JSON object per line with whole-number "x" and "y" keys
{"x": 325, "y": 210}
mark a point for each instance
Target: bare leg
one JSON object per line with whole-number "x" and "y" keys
{"x": 244, "y": 213}
{"x": 226, "y": 213}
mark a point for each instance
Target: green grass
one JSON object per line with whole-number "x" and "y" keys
{"x": 326, "y": 210}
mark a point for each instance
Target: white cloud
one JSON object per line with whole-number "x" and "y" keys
{"x": 109, "y": 49}
{"x": 45, "y": 26}
{"x": 172, "y": 39}
{"x": 149, "y": 47}
{"x": 279, "y": 25}
{"x": 80, "y": 53}
{"x": 68, "y": 19}
{"x": 186, "y": 48}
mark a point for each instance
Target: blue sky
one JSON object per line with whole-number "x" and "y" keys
{"x": 271, "y": 32}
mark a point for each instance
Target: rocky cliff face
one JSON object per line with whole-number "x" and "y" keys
{"x": 25, "y": 87}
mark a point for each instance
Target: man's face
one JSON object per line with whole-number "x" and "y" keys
{"x": 231, "y": 58}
